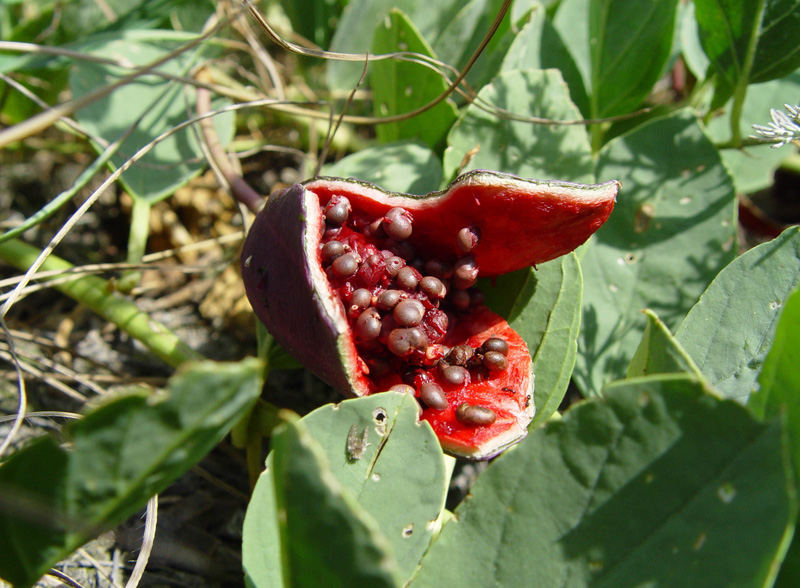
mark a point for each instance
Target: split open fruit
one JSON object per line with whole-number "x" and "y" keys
{"x": 374, "y": 290}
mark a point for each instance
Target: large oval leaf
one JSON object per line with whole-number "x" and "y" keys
{"x": 403, "y": 86}
{"x": 620, "y": 46}
{"x": 399, "y": 479}
{"x": 729, "y": 331}
{"x": 672, "y": 230}
{"x": 149, "y": 103}
{"x": 657, "y": 484}
{"x": 489, "y": 141}
{"x": 121, "y": 453}
{"x": 748, "y": 41}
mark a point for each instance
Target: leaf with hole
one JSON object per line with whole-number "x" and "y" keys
{"x": 404, "y": 497}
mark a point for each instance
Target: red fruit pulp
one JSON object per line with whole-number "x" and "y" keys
{"x": 504, "y": 392}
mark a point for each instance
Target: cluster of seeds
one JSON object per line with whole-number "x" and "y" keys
{"x": 400, "y": 305}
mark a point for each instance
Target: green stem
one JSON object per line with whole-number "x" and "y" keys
{"x": 100, "y": 296}
{"x": 740, "y": 93}
{"x": 137, "y": 242}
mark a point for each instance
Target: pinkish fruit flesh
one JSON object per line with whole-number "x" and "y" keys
{"x": 417, "y": 273}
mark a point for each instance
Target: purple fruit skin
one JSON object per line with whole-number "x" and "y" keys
{"x": 302, "y": 319}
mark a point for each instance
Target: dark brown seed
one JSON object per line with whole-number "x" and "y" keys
{"x": 459, "y": 299}
{"x": 361, "y": 298}
{"x": 438, "y": 268}
{"x": 379, "y": 368}
{"x": 408, "y": 278}
{"x": 419, "y": 340}
{"x": 433, "y": 396}
{"x": 345, "y": 265}
{"x": 408, "y": 313}
{"x": 468, "y": 238}
{"x": 336, "y": 213}
{"x": 397, "y": 224}
{"x": 393, "y": 265}
{"x": 402, "y": 249}
{"x": 460, "y": 355}
{"x": 387, "y": 299}
{"x": 455, "y": 375}
{"x": 476, "y": 297}
{"x": 375, "y": 229}
{"x": 495, "y": 361}
{"x": 475, "y": 415}
{"x": 400, "y": 342}
{"x": 433, "y": 287}
{"x": 403, "y": 389}
{"x": 331, "y": 250}
{"x": 368, "y": 325}
{"x": 466, "y": 272}
{"x": 495, "y": 344}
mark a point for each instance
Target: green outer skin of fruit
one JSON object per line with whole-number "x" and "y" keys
{"x": 522, "y": 222}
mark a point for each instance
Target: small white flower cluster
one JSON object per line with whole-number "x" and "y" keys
{"x": 783, "y": 129}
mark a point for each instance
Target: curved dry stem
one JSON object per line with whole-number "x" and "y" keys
{"x": 54, "y": 366}
{"x": 64, "y": 578}
{"x": 151, "y": 521}
{"x": 22, "y": 405}
{"x": 57, "y": 238}
{"x": 45, "y": 414}
{"x": 293, "y": 48}
{"x": 240, "y": 189}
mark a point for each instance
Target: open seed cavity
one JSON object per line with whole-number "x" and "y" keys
{"x": 400, "y": 306}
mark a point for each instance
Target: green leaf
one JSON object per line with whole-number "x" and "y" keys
{"x": 361, "y": 18}
{"x": 657, "y": 484}
{"x": 399, "y": 480}
{"x": 151, "y": 104}
{"x": 754, "y": 168}
{"x": 465, "y": 31}
{"x": 620, "y": 46}
{"x": 730, "y": 329}
{"x": 691, "y": 47}
{"x": 748, "y": 41}
{"x": 779, "y": 380}
{"x": 671, "y": 232}
{"x": 538, "y": 45}
{"x": 326, "y": 538}
{"x": 402, "y": 86}
{"x": 530, "y": 150}
{"x": 316, "y": 22}
{"x": 544, "y": 307}
{"x": 403, "y": 167}
{"x": 789, "y": 574}
{"x": 120, "y": 454}
{"x": 660, "y": 353}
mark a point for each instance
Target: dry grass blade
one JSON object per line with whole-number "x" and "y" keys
{"x": 151, "y": 521}
{"x": 22, "y": 405}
